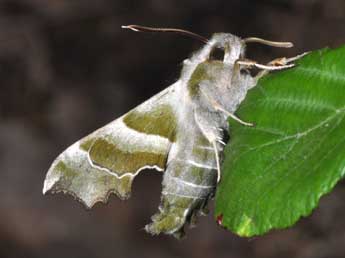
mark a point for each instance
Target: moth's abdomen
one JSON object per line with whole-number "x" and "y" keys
{"x": 189, "y": 182}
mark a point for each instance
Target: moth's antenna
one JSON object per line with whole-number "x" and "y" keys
{"x": 139, "y": 28}
{"x": 268, "y": 42}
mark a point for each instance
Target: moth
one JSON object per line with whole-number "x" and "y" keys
{"x": 180, "y": 132}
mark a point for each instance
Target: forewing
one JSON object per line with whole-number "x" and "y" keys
{"x": 107, "y": 160}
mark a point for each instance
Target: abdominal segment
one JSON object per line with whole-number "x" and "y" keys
{"x": 188, "y": 183}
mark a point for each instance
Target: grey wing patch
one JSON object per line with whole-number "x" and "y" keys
{"x": 107, "y": 160}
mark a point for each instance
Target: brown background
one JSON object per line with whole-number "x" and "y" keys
{"x": 66, "y": 68}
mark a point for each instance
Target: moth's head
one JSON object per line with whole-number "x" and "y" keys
{"x": 230, "y": 48}
{"x": 226, "y": 47}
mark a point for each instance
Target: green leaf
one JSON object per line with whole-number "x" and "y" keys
{"x": 276, "y": 172}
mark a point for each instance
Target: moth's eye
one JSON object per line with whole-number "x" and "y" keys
{"x": 217, "y": 54}
{"x": 244, "y": 71}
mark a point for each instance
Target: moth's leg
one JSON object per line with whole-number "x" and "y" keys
{"x": 219, "y": 107}
{"x": 269, "y": 67}
{"x": 214, "y": 143}
{"x": 284, "y": 61}
{"x": 276, "y": 64}
{"x": 294, "y": 58}
{"x": 233, "y": 116}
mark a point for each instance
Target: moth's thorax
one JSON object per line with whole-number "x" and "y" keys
{"x": 219, "y": 79}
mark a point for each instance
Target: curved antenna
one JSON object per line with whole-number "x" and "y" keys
{"x": 268, "y": 42}
{"x": 140, "y": 28}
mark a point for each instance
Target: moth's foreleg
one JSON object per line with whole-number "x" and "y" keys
{"x": 294, "y": 58}
{"x": 276, "y": 64}
{"x": 284, "y": 62}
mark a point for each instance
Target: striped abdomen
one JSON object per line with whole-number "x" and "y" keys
{"x": 189, "y": 182}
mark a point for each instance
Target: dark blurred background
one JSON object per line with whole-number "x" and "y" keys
{"x": 66, "y": 69}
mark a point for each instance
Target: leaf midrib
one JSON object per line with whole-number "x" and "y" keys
{"x": 288, "y": 137}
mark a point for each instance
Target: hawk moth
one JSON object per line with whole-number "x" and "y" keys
{"x": 180, "y": 132}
